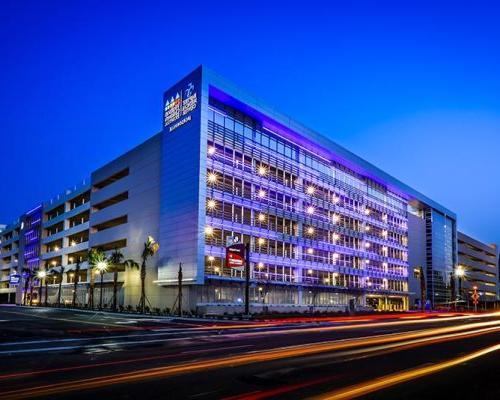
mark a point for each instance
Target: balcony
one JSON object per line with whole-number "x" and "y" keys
{"x": 66, "y": 232}
{"x": 66, "y": 215}
{"x": 65, "y": 250}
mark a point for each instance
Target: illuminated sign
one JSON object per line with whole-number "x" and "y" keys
{"x": 179, "y": 104}
{"x": 15, "y": 279}
{"x": 235, "y": 254}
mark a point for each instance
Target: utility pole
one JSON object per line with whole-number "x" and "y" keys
{"x": 247, "y": 279}
{"x": 179, "y": 296}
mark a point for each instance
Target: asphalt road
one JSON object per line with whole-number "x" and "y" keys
{"x": 59, "y": 354}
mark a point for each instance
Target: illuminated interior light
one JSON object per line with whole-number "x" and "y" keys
{"x": 73, "y": 243}
{"x": 260, "y": 265}
{"x": 216, "y": 269}
{"x": 56, "y": 248}
{"x": 262, "y": 193}
{"x": 209, "y": 230}
{"x": 384, "y": 233}
{"x": 310, "y": 250}
{"x": 335, "y": 256}
{"x": 261, "y": 241}
{"x": 310, "y": 230}
{"x": 336, "y": 236}
{"x": 262, "y": 171}
{"x": 367, "y": 228}
{"x": 211, "y": 150}
{"x": 367, "y": 261}
{"x": 326, "y": 280}
{"x": 211, "y": 204}
{"x": 335, "y": 199}
{"x": 212, "y": 177}
{"x": 367, "y": 211}
{"x": 310, "y": 190}
{"x": 262, "y": 217}
{"x": 335, "y": 218}
{"x": 310, "y": 210}
{"x": 310, "y": 271}
{"x": 367, "y": 245}
{"x": 211, "y": 258}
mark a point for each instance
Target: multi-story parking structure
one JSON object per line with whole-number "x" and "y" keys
{"x": 326, "y": 229}
{"x": 479, "y": 263}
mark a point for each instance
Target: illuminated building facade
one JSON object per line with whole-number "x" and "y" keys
{"x": 478, "y": 265}
{"x": 327, "y": 230}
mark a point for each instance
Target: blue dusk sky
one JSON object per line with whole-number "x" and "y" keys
{"x": 412, "y": 86}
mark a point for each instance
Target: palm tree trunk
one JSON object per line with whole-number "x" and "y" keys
{"x": 40, "y": 293}
{"x": 46, "y": 291}
{"x": 142, "y": 303}
{"x": 100, "y": 291}
{"x": 31, "y": 293}
{"x": 26, "y": 285}
{"x": 91, "y": 290}
{"x": 75, "y": 285}
{"x": 115, "y": 287}
{"x": 59, "y": 292}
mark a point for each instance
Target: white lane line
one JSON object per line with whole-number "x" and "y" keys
{"x": 58, "y": 340}
{"x": 105, "y": 345}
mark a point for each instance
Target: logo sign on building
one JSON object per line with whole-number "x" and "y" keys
{"x": 180, "y": 101}
{"x": 15, "y": 279}
{"x": 235, "y": 254}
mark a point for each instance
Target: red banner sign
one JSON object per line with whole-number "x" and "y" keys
{"x": 235, "y": 255}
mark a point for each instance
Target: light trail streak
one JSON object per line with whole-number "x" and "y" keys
{"x": 364, "y": 352}
{"x": 400, "y": 377}
{"x": 233, "y": 361}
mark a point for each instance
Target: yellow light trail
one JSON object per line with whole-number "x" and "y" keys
{"x": 400, "y": 377}
{"x": 236, "y": 360}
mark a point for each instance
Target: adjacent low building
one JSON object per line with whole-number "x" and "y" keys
{"x": 478, "y": 268}
{"x": 326, "y": 229}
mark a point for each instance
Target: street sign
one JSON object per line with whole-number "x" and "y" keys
{"x": 15, "y": 279}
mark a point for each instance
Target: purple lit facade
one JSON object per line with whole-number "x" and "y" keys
{"x": 320, "y": 235}
{"x": 327, "y": 230}
{"x": 30, "y": 245}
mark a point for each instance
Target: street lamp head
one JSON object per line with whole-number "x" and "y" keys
{"x": 41, "y": 274}
{"x": 460, "y": 272}
{"x": 102, "y": 265}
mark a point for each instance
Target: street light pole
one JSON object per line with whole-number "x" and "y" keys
{"x": 247, "y": 279}
{"x": 100, "y": 291}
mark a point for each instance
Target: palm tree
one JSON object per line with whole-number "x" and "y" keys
{"x": 115, "y": 260}
{"x": 26, "y": 272}
{"x": 47, "y": 273}
{"x": 32, "y": 281}
{"x": 95, "y": 256}
{"x": 75, "y": 283}
{"x": 117, "y": 265}
{"x": 59, "y": 272}
{"x": 150, "y": 249}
